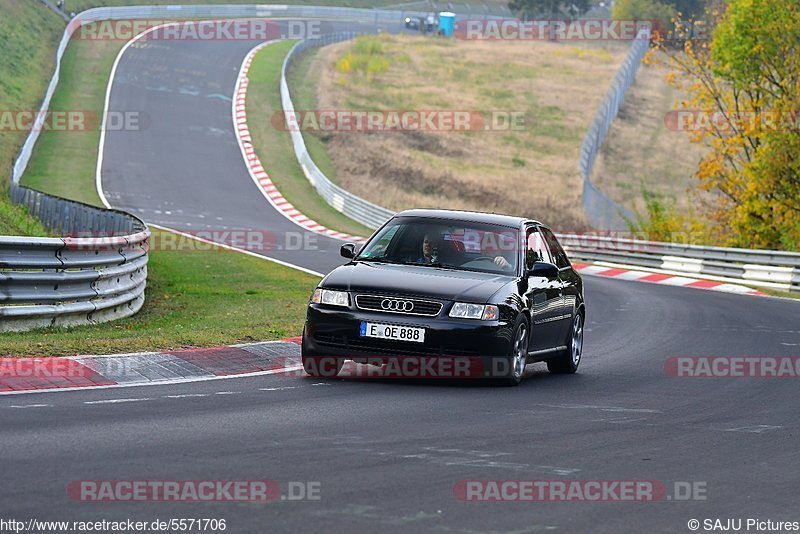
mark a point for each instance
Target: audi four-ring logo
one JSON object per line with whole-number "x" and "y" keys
{"x": 397, "y": 305}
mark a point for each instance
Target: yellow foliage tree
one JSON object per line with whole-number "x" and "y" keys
{"x": 744, "y": 87}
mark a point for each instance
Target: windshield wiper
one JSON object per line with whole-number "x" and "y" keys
{"x": 377, "y": 259}
{"x": 440, "y": 265}
{"x": 400, "y": 262}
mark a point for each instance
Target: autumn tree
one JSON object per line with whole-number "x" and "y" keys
{"x": 744, "y": 87}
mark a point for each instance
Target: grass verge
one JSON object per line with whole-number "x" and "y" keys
{"x": 194, "y": 298}
{"x": 641, "y": 152}
{"x": 780, "y": 293}
{"x": 29, "y": 32}
{"x": 15, "y": 220}
{"x": 274, "y": 146}
{"x": 64, "y": 162}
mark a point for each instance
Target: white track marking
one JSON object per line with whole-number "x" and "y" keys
{"x": 159, "y": 383}
{"x": 117, "y": 401}
{"x": 101, "y": 149}
{"x": 757, "y": 429}
{"x": 98, "y": 173}
{"x": 601, "y": 408}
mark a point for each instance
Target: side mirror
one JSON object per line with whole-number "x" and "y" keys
{"x": 543, "y": 269}
{"x": 348, "y": 251}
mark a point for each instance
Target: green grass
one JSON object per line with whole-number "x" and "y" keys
{"x": 14, "y": 220}
{"x": 193, "y": 299}
{"x": 64, "y": 162}
{"x": 29, "y": 33}
{"x": 274, "y": 146}
{"x": 779, "y": 292}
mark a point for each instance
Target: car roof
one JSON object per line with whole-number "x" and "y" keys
{"x": 475, "y": 216}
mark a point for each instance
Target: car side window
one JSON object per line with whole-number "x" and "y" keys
{"x": 536, "y": 248}
{"x": 560, "y": 257}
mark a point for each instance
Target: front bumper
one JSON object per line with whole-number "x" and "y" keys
{"x": 332, "y": 331}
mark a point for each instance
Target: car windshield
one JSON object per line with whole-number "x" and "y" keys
{"x": 446, "y": 244}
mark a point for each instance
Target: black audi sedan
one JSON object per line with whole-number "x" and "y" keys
{"x": 491, "y": 292}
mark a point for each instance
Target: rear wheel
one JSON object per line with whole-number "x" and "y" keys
{"x": 568, "y": 361}
{"x": 320, "y": 366}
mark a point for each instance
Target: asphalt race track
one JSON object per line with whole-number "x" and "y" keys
{"x": 183, "y": 168}
{"x": 388, "y": 454}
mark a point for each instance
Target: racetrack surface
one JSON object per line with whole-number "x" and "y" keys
{"x": 183, "y": 167}
{"x": 387, "y": 454}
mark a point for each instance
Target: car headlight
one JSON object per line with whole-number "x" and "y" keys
{"x": 328, "y": 296}
{"x": 465, "y": 310}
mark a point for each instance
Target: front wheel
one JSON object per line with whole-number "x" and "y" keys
{"x": 518, "y": 357}
{"x": 320, "y": 366}
{"x": 568, "y": 361}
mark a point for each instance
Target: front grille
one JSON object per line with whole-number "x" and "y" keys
{"x": 402, "y": 305}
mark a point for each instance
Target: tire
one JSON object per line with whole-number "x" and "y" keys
{"x": 517, "y": 358}
{"x": 567, "y": 361}
{"x": 320, "y": 366}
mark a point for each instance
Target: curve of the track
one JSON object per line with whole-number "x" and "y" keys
{"x": 387, "y": 454}
{"x": 183, "y": 168}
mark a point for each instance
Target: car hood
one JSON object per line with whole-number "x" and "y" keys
{"x": 415, "y": 280}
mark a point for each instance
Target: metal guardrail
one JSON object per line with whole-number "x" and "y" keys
{"x": 353, "y": 206}
{"x": 87, "y": 277}
{"x": 761, "y": 268}
{"x": 602, "y": 212}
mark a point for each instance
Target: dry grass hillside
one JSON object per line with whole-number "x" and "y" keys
{"x": 530, "y": 171}
{"x": 640, "y": 151}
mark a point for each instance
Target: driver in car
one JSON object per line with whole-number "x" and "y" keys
{"x": 430, "y": 248}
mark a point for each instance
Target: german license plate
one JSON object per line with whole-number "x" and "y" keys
{"x": 393, "y": 331}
